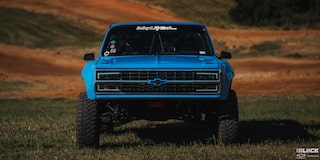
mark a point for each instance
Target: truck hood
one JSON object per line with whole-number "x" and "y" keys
{"x": 158, "y": 62}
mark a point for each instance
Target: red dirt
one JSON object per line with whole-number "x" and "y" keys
{"x": 58, "y": 75}
{"x": 273, "y": 75}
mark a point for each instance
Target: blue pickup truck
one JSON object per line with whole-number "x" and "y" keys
{"x": 156, "y": 71}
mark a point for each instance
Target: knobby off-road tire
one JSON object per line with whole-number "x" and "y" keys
{"x": 228, "y": 122}
{"x": 87, "y": 123}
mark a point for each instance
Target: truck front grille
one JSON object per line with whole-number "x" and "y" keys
{"x": 157, "y": 82}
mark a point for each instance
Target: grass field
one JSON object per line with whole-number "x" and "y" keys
{"x": 272, "y": 127}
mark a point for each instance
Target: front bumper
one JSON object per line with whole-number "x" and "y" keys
{"x": 157, "y": 97}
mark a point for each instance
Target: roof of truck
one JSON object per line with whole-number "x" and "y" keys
{"x": 156, "y": 23}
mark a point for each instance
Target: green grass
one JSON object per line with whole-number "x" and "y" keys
{"x": 6, "y": 86}
{"x": 12, "y": 88}
{"x": 266, "y": 48}
{"x": 272, "y": 127}
{"x": 35, "y": 30}
{"x": 282, "y": 107}
{"x": 210, "y": 12}
{"x": 273, "y": 48}
{"x": 18, "y": 88}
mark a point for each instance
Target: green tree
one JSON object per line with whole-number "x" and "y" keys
{"x": 284, "y": 13}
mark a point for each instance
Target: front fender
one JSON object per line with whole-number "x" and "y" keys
{"x": 88, "y": 75}
{"x": 227, "y": 74}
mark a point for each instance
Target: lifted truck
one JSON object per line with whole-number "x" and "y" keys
{"x": 156, "y": 71}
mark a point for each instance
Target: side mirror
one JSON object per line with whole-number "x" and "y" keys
{"x": 226, "y": 55}
{"x": 88, "y": 57}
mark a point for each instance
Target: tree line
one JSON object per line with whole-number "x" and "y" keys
{"x": 283, "y": 13}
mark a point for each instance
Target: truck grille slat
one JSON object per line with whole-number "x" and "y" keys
{"x": 169, "y": 75}
{"x": 170, "y": 88}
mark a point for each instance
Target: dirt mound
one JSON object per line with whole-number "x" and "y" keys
{"x": 48, "y": 73}
{"x": 274, "y": 75}
{"x": 14, "y": 63}
{"x": 20, "y": 60}
{"x": 98, "y": 13}
{"x": 58, "y": 75}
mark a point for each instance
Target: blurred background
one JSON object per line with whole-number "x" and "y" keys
{"x": 276, "y": 57}
{"x": 41, "y": 40}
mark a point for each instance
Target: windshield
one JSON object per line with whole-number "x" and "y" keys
{"x": 157, "y": 40}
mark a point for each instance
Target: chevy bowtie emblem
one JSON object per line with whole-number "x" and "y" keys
{"x": 157, "y": 82}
